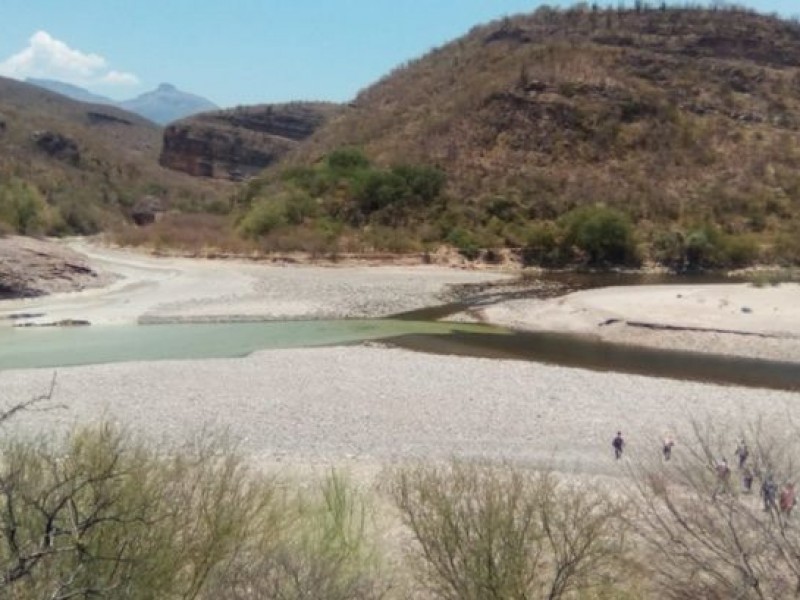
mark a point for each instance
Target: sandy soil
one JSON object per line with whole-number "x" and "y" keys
{"x": 150, "y": 289}
{"x": 730, "y": 318}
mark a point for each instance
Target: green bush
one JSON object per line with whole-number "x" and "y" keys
{"x": 541, "y": 246}
{"x": 465, "y": 242}
{"x": 424, "y": 183}
{"x": 603, "y": 235}
{"x": 263, "y": 217}
{"x": 22, "y": 207}
{"x": 347, "y": 160}
{"x": 380, "y": 189}
{"x": 706, "y": 247}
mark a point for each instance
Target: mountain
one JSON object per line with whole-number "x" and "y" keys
{"x": 162, "y": 105}
{"x": 678, "y": 117}
{"x": 166, "y": 104}
{"x": 72, "y": 167}
{"x": 70, "y": 91}
{"x": 240, "y": 142}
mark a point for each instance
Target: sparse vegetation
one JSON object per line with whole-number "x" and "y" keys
{"x": 500, "y": 532}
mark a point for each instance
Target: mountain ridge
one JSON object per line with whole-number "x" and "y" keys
{"x": 164, "y": 104}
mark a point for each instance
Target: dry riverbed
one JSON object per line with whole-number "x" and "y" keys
{"x": 368, "y": 406}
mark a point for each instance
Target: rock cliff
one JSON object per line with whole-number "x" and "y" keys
{"x": 240, "y": 142}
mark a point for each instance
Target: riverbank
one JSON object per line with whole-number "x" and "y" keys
{"x": 366, "y": 406}
{"x": 150, "y": 289}
{"x": 733, "y": 319}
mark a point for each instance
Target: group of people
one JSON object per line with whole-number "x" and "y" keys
{"x": 773, "y": 500}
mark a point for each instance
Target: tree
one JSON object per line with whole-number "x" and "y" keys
{"x": 604, "y": 234}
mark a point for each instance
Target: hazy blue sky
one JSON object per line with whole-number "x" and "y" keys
{"x": 239, "y": 51}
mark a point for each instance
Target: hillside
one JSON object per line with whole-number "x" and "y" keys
{"x": 240, "y": 142}
{"x": 72, "y": 167}
{"x": 680, "y": 118}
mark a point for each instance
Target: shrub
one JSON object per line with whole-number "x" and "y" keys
{"x": 541, "y": 246}
{"x": 669, "y": 249}
{"x": 102, "y": 515}
{"x": 605, "y": 235}
{"x": 263, "y": 217}
{"x": 317, "y": 547}
{"x": 707, "y": 247}
{"x": 496, "y": 533}
{"x": 347, "y": 159}
{"x": 22, "y": 207}
{"x": 380, "y": 189}
{"x": 425, "y": 183}
{"x": 465, "y": 242}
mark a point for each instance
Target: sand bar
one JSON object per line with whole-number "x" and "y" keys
{"x": 738, "y": 319}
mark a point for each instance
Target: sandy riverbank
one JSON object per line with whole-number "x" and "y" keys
{"x": 738, "y": 319}
{"x": 151, "y": 289}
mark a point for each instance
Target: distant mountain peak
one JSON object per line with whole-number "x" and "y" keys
{"x": 167, "y": 103}
{"x": 162, "y": 105}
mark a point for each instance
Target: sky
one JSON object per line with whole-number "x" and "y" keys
{"x": 240, "y": 51}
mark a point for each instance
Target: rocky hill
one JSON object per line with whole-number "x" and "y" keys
{"x": 233, "y": 144}
{"x": 73, "y": 167}
{"x": 675, "y": 116}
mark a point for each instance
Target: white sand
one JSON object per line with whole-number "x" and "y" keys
{"x": 761, "y": 322}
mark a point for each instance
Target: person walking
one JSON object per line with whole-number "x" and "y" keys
{"x": 769, "y": 490}
{"x": 723, "y": 478}
{"x": 787, "y": 499}
{"x": 618, "y": 444}
{"x": 667, "y": 448}
{"x": 747, "y": 480}
{"x": 742, "y": 452}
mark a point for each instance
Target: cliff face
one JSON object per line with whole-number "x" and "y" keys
{"x": 237, "y": 143}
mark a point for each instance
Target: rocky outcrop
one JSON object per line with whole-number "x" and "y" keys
{"x": 31, "y": 267}
{"x": 58, "y": 146}
{"x": 235, "y": 144}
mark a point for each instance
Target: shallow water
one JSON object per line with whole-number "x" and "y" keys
{"x": 37, "y": 347}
